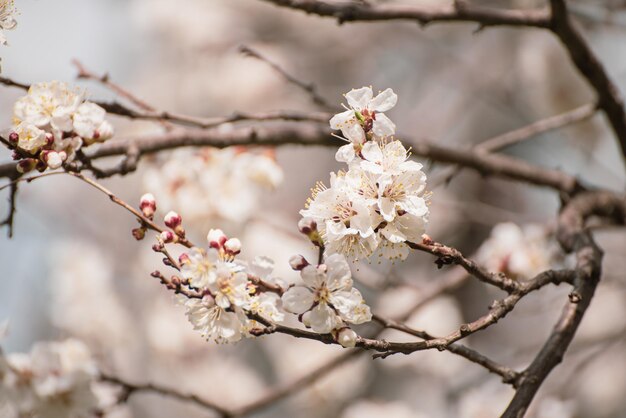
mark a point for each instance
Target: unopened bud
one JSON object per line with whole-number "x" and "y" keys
{"x": 232, "y": 246}
{"x": 26, "y": 165}
{"x": 183, "y": 258}
{"x": 307, "y": 226}
{"x": 147, "y": 204}
{"x": 298, "y": 262}
{"x": 52, "y": 159}
{"x": 427, "y": 240}
{"x": 216, "y": 238}
{"x": 14, "y": 137}
{"x": 173, "y": 220}
{"x": 346, "y": 337}
{"x": 167, "y": 237}
{"x": 139, "y": 233}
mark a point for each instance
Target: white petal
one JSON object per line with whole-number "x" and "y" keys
{"x": 321, "y": 319}
{"x": 372, "y": 152}
{"x": 358, "y": 99}
{"x": 354, "y": 133}
{"x": 384, "y": 101}
{"x": 383, "y": 126}
{"x": 387, "y": 208}
{"x": 345, "y": 154}
{"x": 338, "y": 275}
{"x": 340, "y": 120}
{"x": 297, "y": 300}
{"x": 351, "y": 306}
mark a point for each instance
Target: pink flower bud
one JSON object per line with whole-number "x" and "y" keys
{"x": 298, "y": 262}
{"x": 307, "y": 225}
{"x": 14, "y": 137}
{"x": 168, "y": 237}
{"x": 183, "y": 258}
{"x": 347, "y": 338}
{"x": 147, "y": 204}
{"x": 216, "y": 238}
{"x": 26, "y": 165}
{"x": 232, "y": 246}
{"x": 173, "y": 220}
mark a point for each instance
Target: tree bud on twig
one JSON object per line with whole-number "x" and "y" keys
{"x": 147, "y": 204}
{"x": 216, "y": 238}
{"x": 298, "y": 262}
{"x": 232, "y": 246}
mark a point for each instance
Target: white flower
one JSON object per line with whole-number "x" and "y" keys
{"x": 213, "y": 321}
{"x": 50, "y": 104}
{"x": 327, "y": 299}
{"x": 518, "y": 252}
{"x": 268, "y": 305}
{"x": 364, "y": 117}
{"x": 345, "y": 219}
{"x": 31, "y": 138}
{"x": 213, "y": 185}
{"x": 7, "y": 18}
{"x": 54, "y": 381}
{"x": 90, "y": 124}
{"x": 199, "y": 267}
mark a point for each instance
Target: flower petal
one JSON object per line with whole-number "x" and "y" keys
{"x": 321, "y": 319}
{"x": 298, "y": 300}
{"x": 384, "y": 101}
{"x": 358, "y": 99}
{"x": 383, "y": 126}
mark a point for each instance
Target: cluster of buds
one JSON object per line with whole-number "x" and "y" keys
{"x": 51, "y": 123}
{"x": 228, "y": 247}
{"x": 175, "y": 224}
{"x": 147, "y": 205}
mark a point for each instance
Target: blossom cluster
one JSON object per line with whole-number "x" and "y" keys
{"x": 518, "y": 252}
{"x": 54, "y": 380}
{"x": 213, "y": 184}
{"x": 7, "y": 18}
{"x": 380, "y": 202}
{"x": 230, "y": 290}
{"x": 51, "y": 123}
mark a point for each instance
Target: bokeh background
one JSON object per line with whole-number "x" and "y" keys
{"x": 73, "y": 269}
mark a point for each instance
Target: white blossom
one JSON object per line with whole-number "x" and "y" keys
{"x": 378, "y": 204}
{"x": 346, "y": 220}
{"x": 90, "y": 124}
{"x": 214, "y": 185}
{"x": 213, "y": 321}
{"x": 364, "y": 117}
{"x": 327, "y": 300}
{"x": 54, "y": 381}
{"x": 7, "y": 18}
{"x": 31, "y": 138}
{"x": 516, "y": 251}
{"x": 53, "y": 117}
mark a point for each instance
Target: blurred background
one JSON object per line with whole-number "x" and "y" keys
{"x": 73, "y": 268}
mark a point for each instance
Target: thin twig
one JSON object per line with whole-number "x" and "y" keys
{"x": 308, "y": 88}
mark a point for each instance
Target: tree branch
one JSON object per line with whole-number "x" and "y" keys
{"x": 572, "y": 236}
{"x": 460, "y": 11}
{"x": 609, "y": 98}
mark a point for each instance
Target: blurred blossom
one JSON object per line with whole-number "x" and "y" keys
{"x": 521, "y": 252}
{"x": 84, "y": 299}
{"x": 7, "y": 18}
{"x": 213, "y": 186}
{"x": 53, "y": 381}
